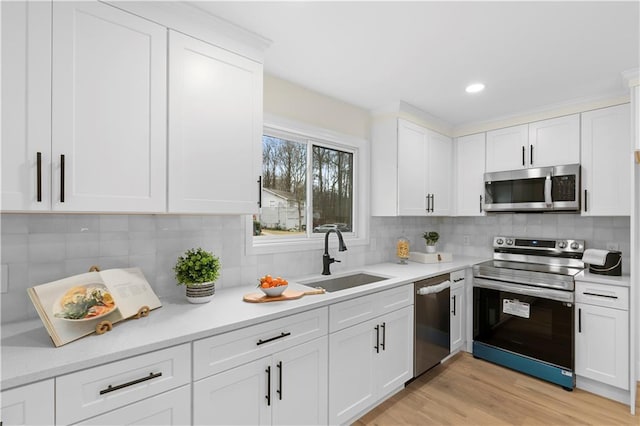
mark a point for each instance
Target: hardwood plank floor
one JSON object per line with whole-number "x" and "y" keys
{"x": 469, "y": 391}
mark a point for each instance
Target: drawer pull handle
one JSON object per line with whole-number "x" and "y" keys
{"x": 600, "y": 295}
{"x": 268, "y": 395}
{"x": 283, "y": 334}
{"x": 377, "y": 346}
{"x": 279, "y": 391}
{"x": 384, "y": 336}
{"x": 131, "y": 383}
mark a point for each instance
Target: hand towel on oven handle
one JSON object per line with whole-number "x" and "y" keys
{"x": 595, "y": 256}
{"x": 423, "y": 291}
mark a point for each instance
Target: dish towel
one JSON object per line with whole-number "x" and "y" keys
{"x": 595, "y": 256}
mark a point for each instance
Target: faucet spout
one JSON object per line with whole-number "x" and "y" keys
{"x": 326, "y": 259}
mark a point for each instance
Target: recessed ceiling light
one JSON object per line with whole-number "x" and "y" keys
{"x": 475, "y": 88}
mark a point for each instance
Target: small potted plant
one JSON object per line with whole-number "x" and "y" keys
{"x": 198, "y": 270}
{"x": 431, "y": 238}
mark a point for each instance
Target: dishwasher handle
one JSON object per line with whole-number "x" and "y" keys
{"x": 423, "y": 291}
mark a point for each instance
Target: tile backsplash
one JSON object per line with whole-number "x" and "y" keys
{"x": 38, "y": 248}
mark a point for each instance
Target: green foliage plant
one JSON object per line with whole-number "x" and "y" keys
{"x": 197, "y": 266}
{"x": 431, "y": 237}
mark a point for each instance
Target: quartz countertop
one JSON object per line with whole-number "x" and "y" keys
{"x": 28, "y": 355}
{"x": 624, "y": 280}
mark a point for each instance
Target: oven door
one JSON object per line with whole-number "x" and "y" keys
{"x": 526, "y": 320}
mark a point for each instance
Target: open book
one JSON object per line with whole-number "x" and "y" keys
{"x": 72, "y": 307}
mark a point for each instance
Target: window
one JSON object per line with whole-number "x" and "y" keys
{"x": 288, "y": 164}
{"x": 310, "y": 181}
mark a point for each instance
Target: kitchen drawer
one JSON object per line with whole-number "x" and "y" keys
{"x": 222, "y": 352}
{"x": 610, "y": 296}
{"x": 94, "y": 391}
{"x": 457, "y": 278}
{"x": 354, "y": 311}
{"x": 168, "y": 408}
{"x": 28, "y": 405}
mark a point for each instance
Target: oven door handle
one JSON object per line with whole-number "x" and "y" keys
{"x": 423, "y": 291}
{"x": 546, "y": 293}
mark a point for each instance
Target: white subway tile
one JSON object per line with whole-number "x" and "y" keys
{"x": 114, "y": 223}
{"x": 47, "y": 248}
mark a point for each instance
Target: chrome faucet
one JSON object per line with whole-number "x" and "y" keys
{"x": 326, "y": 260}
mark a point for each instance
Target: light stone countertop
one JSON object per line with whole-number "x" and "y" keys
{"x": 586, "y": 276}
{"x": 28, "y": 355}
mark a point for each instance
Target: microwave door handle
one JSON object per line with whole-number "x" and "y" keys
{"x": 547, "y": 191}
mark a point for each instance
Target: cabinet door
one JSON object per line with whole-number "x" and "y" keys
{"x": 554, "y": 142}
{"x": 440, "y": 173}
{"x": 26, "y": 105}
{"x": 352, "y": 372}
{"x": 215, "y": 129}
{"x": 169, "y": 408}
{"x": 236, "y": 396}
{"x": 109, "y": 110}
{"x": 602, "y": 344}
{"x": 299, "y": 384}
{"x": 395, "y": 359}
{"x": 507, "y": 148}
{"x": 28, "y": 405}
{"x": 470, "y": 159}
{"x": 412, "y": 177}
{"x": 457, "y": 318}
{"x": 606, "y": 168}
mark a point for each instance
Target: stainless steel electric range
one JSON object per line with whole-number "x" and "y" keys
{"x": 523, "y": 306}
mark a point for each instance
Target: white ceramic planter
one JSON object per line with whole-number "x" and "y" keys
{"x": 431, "y": 249}
{"x": 201, "y": 293}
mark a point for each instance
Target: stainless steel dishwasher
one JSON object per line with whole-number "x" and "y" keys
{"x": 432, "y": 323}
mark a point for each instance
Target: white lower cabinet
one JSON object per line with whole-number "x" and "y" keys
{"x": 92, "y": 392}
{"x": 169, "y": 408}
{"x": 368, "y": 362}
{"x": 602, "y": 334}
{"x": 457, "y": 314}
{"x": 28, "y": 405}
{"x": 288, "y": 388}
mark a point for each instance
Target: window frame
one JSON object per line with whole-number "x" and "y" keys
{"x": 361, "y": 161}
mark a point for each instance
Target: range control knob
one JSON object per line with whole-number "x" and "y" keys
{"x": 575, "y": 246}
{"x": 499, "y": 241}
{"x": 562, "y": 244}
{"x": 509, "y": 242}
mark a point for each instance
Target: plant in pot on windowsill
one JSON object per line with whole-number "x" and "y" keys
{"x": 431, "y": 238}
{"x": 198, "y": 270}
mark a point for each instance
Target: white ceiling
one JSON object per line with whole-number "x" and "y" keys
{"x": 530, "y": 55}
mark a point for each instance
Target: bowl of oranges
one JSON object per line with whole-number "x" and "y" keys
{"x": 272, "y": 287}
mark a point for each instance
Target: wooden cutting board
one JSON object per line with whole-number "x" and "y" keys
{"x": 286, "y": 295}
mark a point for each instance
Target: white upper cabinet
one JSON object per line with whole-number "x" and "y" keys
{"x": 215, "y": 129}
{"x": 26, "y": 105}
{"x": 554, "y": 142}
{"x": 412, "y": 170}
{"x": 109, "y": 110}
{"x": 89, "y": 132}
{"x": 470, "y": 159}
{"x": 543, "y": 143}
{"x": 606, "y": 162}
{"x": 507, "y": 148}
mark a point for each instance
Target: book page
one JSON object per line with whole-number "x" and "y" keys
{"x": 64, "y": 310}
{"x": 130, "y": 290}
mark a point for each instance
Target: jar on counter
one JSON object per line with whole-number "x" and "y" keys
{"x": 402, "y": 250}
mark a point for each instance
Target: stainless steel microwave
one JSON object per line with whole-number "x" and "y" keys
{"x": 538, "y": 189}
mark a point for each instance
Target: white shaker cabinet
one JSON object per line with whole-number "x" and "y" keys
{"x": 457, "y": 311}
{"x": 544, "y": 143}
{"x": 606, "y": 157}
{"x": 507, "y": 148}
{"x": 424, "y": 171}
{"x": 29, "y": 404}
{"x": 108, "y": 110}
{"x": 286, "y": 388}
{"x": 470, "y": 159}
{"x": 215, "y": 129}
{"x": 85, "y": 109}
{"x": 26, "y": 105}
{"x": 602, "y": 333}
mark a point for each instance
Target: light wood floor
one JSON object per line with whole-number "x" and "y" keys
{"x": 469, "y": 391}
